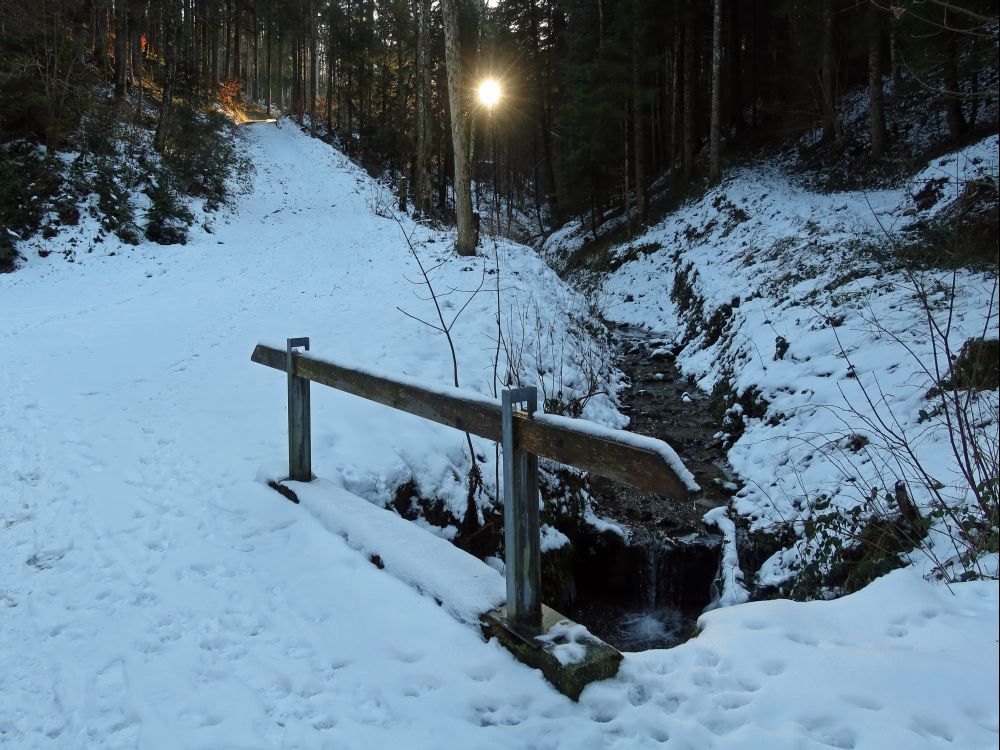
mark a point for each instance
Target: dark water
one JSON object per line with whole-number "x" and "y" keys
{"x": 649, "y": 593}
{"x": 664, "y": 404}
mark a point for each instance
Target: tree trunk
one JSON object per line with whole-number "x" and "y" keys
{"x": 329, "y": 78}
{"x": 169, "y": 73}
{"x": 629, "y": 228}
{"x": 348, "y": 79}
{"x": 138, "y": 17}
{"x": 237, "y": 59}
{"x": 205, "y": 44}
{"x": 689, "y": 77}
{"x": 228, "y": 72}
{"x": 544, "y": 105}
{"x": 270, "y": 24}
{"x": 313, "y": 69}
{"x": 715, "y": 155}
{"x": 754, "y": 62}
{"x": 466, "y": 243}
{"x": 121, "y": 48}
{"x": 213, "y": 39}
{"x": 895, "y": 57}
{"x": 957, "y": 126}
{"x": 281, "y": 73}
{"x": 876, "y": 115}
{"x": 255, "y": 82}
{"x": 638, "y": 118}
{"x": 735, "y": 66}
{"x": 422, "y": 184}
{"x": 189, "y": 38}
{"x": 444, "y": 169}
{"x": 101, "y": 34}
{"x": 298, "y": 96}
{"x": 675, "y": 101}
{"x": 828, "y": 84}
{"x": 399, "y": 117}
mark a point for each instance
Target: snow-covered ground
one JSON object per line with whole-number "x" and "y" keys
{"x": 154, "y": 593}
{"x": 795, "y": 295}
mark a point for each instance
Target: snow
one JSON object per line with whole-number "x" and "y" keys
{"x": 817, "y": 320}
{"x": 155, "y": 593}
{"x": 551, "y": 538}
{"x": 731, "y": 588}
{"x": 886, "y": 667}
{"x": 466, "y": 587}
{"x": 632, "y": 439}
{"x": 566, "y": 641}
{"x": 952, "y": 172}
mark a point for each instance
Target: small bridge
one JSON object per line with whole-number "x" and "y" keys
{"x": 524, "y": 625}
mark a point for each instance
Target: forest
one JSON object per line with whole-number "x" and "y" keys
{"x": 601, "y": 99}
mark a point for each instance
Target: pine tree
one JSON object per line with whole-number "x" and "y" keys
{"x": 466, "y": 242}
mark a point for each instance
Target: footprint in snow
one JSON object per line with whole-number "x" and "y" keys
{"x": 405, "y": 656}
{"x": 772, "y": 667}
{"x": 802, "y": 639}
{"x": 730, "y": 701}
{"x": 421, "y": 686}
{"x": 638, "y": 695}
{"x": 825, "y": 731}
{"x": 861, "y": 701}
{"x": 721, "y": 723}
{"x": 926, "y": 727}
{"x": 481, "y": 672}
{"x": 196, "y": 718}
{"x": 44, "y": 560}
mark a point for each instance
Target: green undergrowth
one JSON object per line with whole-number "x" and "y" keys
{"x": 106, "y": 169}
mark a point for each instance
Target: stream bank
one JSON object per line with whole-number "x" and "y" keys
{"x": 641, "y": 578}
{"x": 648, "y": 589}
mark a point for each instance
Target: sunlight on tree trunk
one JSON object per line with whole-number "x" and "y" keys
{"x": 466, "y": 243}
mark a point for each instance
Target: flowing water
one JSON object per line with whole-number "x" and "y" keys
{"x": 648, "y": 592}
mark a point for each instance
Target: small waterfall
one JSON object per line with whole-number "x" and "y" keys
{"x": 650, "y": 579}
{"x": 658, "y": 621}
{"x": 645, "y": 591}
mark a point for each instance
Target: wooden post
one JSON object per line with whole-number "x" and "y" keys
{"x": 522, "y": 543}
{"x": 402, "y": 194}
{"x": 299, "y": 428}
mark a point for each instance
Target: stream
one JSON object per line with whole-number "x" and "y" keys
{"x": 648, "y": 592}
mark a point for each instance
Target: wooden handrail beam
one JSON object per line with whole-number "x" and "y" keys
{"x": 639, "y": 462}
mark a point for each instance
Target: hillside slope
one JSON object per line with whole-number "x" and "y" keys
{"x": 820, "y": 322}
{"x": 155, "y": 593}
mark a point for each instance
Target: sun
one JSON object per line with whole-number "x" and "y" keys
{"x": 489, "y": 92}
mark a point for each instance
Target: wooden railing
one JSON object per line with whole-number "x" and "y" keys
{"x": 637, "y": 461}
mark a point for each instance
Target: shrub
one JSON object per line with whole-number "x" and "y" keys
{"x": 29, "y": 182}
{"x": 167, "y": 218}
{"x": 202, "y": 156}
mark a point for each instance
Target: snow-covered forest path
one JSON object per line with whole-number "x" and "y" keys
{"x": 155, "y": 593}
